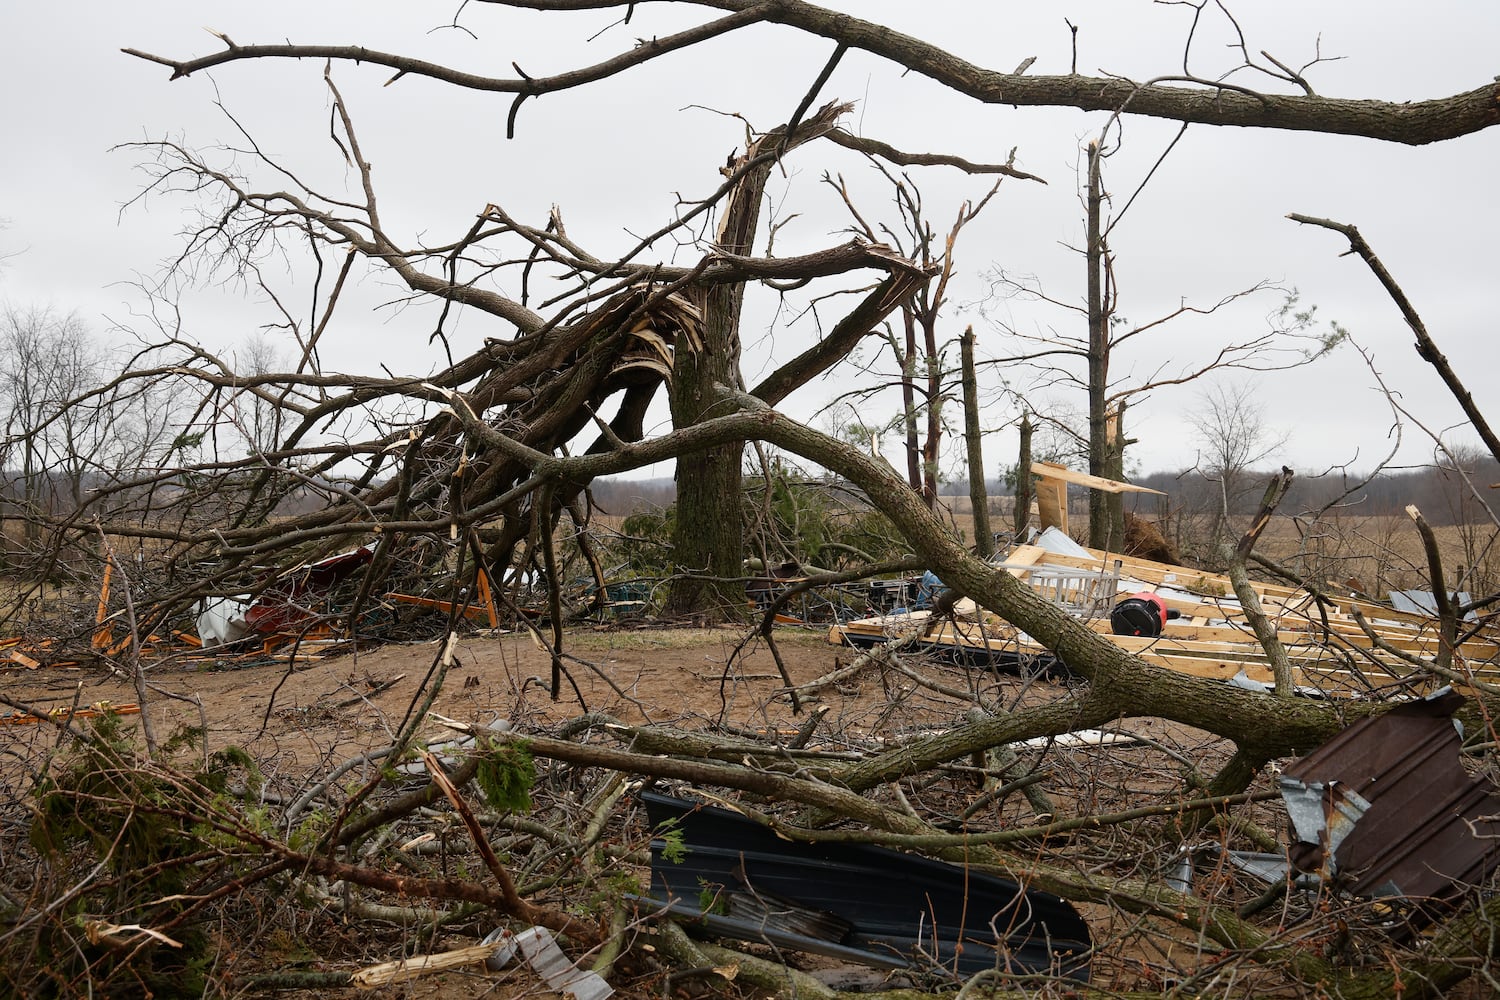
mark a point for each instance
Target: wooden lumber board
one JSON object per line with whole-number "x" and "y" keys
{"x": 1023, "y": 557}
{"x": 1225, "y": 643}
{"x": 1052, "y": 504}
{"x": 1207, "y": 660}
{"x": 883, "y": 629}
{"x": 1176, "y": 651}
{"x": 1344, "y": 635}
{"x": 1278, "y": 601}
{"x": 974, "y": 633}
{"x": 65, "y": 714}
{"x": 1419, "y": 643}
{"x": 1327, "y": 680}
{"x": 1142, "y": 569}
{"x": 1051, "y": 470}
{"x": 471, "y": 611}
{"x": 20, "y": 659}
{"x": 1246, "y": 650}
{"x": 1340, "y": 635}
{"x": 1183, "y": 578}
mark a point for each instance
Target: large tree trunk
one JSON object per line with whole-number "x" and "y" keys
{"x": 708, "y": 537}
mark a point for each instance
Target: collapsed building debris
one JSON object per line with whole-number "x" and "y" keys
{"x": 1337, "y": 646}
{"x": 280, "y": 607}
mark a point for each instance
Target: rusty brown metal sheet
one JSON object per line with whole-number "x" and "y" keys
{"x": 1386, "y": 809}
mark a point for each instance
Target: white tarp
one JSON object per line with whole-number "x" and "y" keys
{"x": 222, "y": 620}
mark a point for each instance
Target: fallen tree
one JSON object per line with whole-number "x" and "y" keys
{"x": 473, "y": 471}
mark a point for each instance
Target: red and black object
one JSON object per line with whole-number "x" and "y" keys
{"x": 1140, "y": 614}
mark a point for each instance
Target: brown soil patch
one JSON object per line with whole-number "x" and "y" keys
{"x": 300, "y": 722}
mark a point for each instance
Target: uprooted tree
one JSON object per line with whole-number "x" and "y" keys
{"x": 557, "y": 403}
{"x": 478, "y": 465}
{"x": 708, "y": 547}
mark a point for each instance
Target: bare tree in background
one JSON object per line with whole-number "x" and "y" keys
{"x": 257, "y": 416}
{"x": 47, "y": 360}
{"x": 1233, "y": 438}
{"x": 1087, "y": 354}
{"x": 927, "y": 378}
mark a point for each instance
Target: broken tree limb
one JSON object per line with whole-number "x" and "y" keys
{"x": 1427, "y": 348}
{"x": 406, "y": 969}
{"x": 1447, "y": 614}
{"x": 1120, "y": 682}
{"x": 515, "y": 905}
{"x": 881, "y": 653}
{"x": 768, "y": 619}
{"x": 781, "y": 786}
{"x": 1265, "y": 631}
{"x": 1176, "y": 98}
{"x": 884, "y": 299}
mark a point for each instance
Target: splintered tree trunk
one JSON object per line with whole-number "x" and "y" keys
{"x": 1106, "y": 525}
{"x": 1098, "y": 359}
{"x": 708, "y": 538}
{"x": 1114, "y": 503}
{"x": 984, "y": 539}
{"x": 1021, "y": 516}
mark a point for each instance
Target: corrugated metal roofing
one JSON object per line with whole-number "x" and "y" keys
{"x": 1386, "y": 809}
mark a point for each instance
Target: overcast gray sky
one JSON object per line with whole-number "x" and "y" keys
{"x": 614, "y": 155}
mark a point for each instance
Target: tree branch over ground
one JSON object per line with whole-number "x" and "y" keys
{"x": 1120, "y": 684}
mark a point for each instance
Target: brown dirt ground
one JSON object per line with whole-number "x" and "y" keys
{"x": 299, "y": 715}
{"x": 300, "y": 722}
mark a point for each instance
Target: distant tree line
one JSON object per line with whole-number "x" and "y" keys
{"x": 1445, "y": 491}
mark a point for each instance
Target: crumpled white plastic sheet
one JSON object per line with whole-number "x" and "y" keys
{"x": 221, "y": 620}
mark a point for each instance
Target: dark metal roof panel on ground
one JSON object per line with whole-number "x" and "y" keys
{"x": 1390, "y": 800}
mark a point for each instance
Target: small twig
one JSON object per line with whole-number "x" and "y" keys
{"x": 365, "y": 696}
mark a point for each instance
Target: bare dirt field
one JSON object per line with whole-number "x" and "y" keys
{"x": 301, "y": 714}
{"x": 298, "y": 723}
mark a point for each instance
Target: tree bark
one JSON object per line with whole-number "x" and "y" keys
{"x": 979, "y": 501}
{"x": 1175, "y": 98}
{"x": 708, "y": 536}
{"x": 1098, "y": 355}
